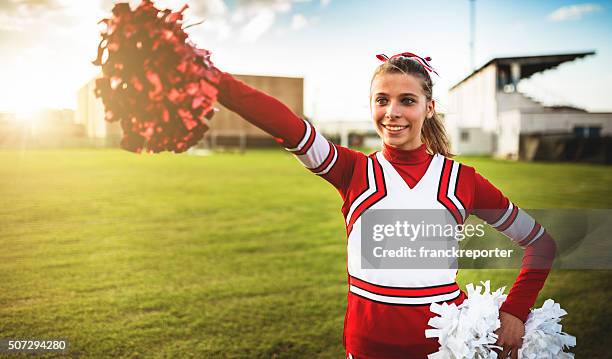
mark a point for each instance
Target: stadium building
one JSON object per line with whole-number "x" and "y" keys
{"x": 487, "y": 115}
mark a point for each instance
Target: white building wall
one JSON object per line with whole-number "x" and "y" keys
{"x": 488, "y": 104}
{"x": 472, "y": 104}
{"x": 555, "y": 122}
{"x": 90, "y": 111}
{"x": 509, "y": 134}
{"x": 478, "y": 142}
{"x": 507, "y": 101}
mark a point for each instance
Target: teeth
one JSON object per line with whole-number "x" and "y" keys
{"x": 394, "y": 128}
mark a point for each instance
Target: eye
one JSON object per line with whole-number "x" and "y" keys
{"x": 381, "y": 101}
{"x": 407, "y": 101}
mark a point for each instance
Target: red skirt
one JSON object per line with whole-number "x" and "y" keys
{"x": 375, "y": 330}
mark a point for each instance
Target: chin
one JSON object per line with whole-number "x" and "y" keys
{"x": 394, "y": 142}
{"x": 395, "y": 139}
{"x": 401, "y": 144}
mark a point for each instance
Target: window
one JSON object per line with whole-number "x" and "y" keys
{"x": 465, "y": 135}
{"x": 587, "y": 131}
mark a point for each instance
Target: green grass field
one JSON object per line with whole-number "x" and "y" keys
{"x": 224, "y": 256}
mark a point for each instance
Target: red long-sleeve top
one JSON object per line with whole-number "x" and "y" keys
{"x": 487, "y": 202}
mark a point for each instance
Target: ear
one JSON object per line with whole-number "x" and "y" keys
{"x": 431, "y": 108}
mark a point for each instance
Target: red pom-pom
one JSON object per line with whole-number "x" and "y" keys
{"x": 158, "y": 84}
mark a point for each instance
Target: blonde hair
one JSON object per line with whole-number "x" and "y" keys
{"x": 433, "y": 133}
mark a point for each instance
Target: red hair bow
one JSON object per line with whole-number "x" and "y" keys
{"x": 419, "y": 59}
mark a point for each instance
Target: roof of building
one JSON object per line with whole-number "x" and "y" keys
{"x": 530, "y": 64}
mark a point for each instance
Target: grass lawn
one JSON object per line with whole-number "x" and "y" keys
{"x": 223, "y": 256}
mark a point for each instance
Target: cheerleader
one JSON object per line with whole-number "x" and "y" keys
{"x": 388, "y": 310}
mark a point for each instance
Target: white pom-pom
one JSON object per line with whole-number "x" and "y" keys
{"x": 543, "y": 335}
{"x": 467, "y": 330}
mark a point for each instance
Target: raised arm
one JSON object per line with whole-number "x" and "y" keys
{"x": 262, "y": 110}
{"x": 332, "y": 162}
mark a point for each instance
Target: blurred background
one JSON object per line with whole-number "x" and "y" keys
{"x": 233, "y": 249}
{"x": 523, "y": 80}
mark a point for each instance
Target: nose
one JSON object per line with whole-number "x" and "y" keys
{"x": 392, "y": 111}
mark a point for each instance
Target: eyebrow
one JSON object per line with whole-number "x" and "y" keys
{"x": 402, "y": 94}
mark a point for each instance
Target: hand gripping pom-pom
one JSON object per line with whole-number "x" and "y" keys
{"x": 467, "y": 330}
{"x": 154, "y": 81}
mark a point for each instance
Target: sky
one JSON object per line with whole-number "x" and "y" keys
{"x": 47, "y": 46}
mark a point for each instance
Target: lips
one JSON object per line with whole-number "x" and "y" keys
{"x": 394, "y": 128}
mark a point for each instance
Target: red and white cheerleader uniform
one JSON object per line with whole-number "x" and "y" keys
{"x": 388, "y": 310}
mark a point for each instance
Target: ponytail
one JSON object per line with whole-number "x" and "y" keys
{"x": 434, "y": 136}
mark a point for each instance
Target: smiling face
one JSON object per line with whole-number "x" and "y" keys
{"x": 399, "y": 107}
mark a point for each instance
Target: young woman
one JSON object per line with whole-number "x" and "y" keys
{"x": 388, "y": 310}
